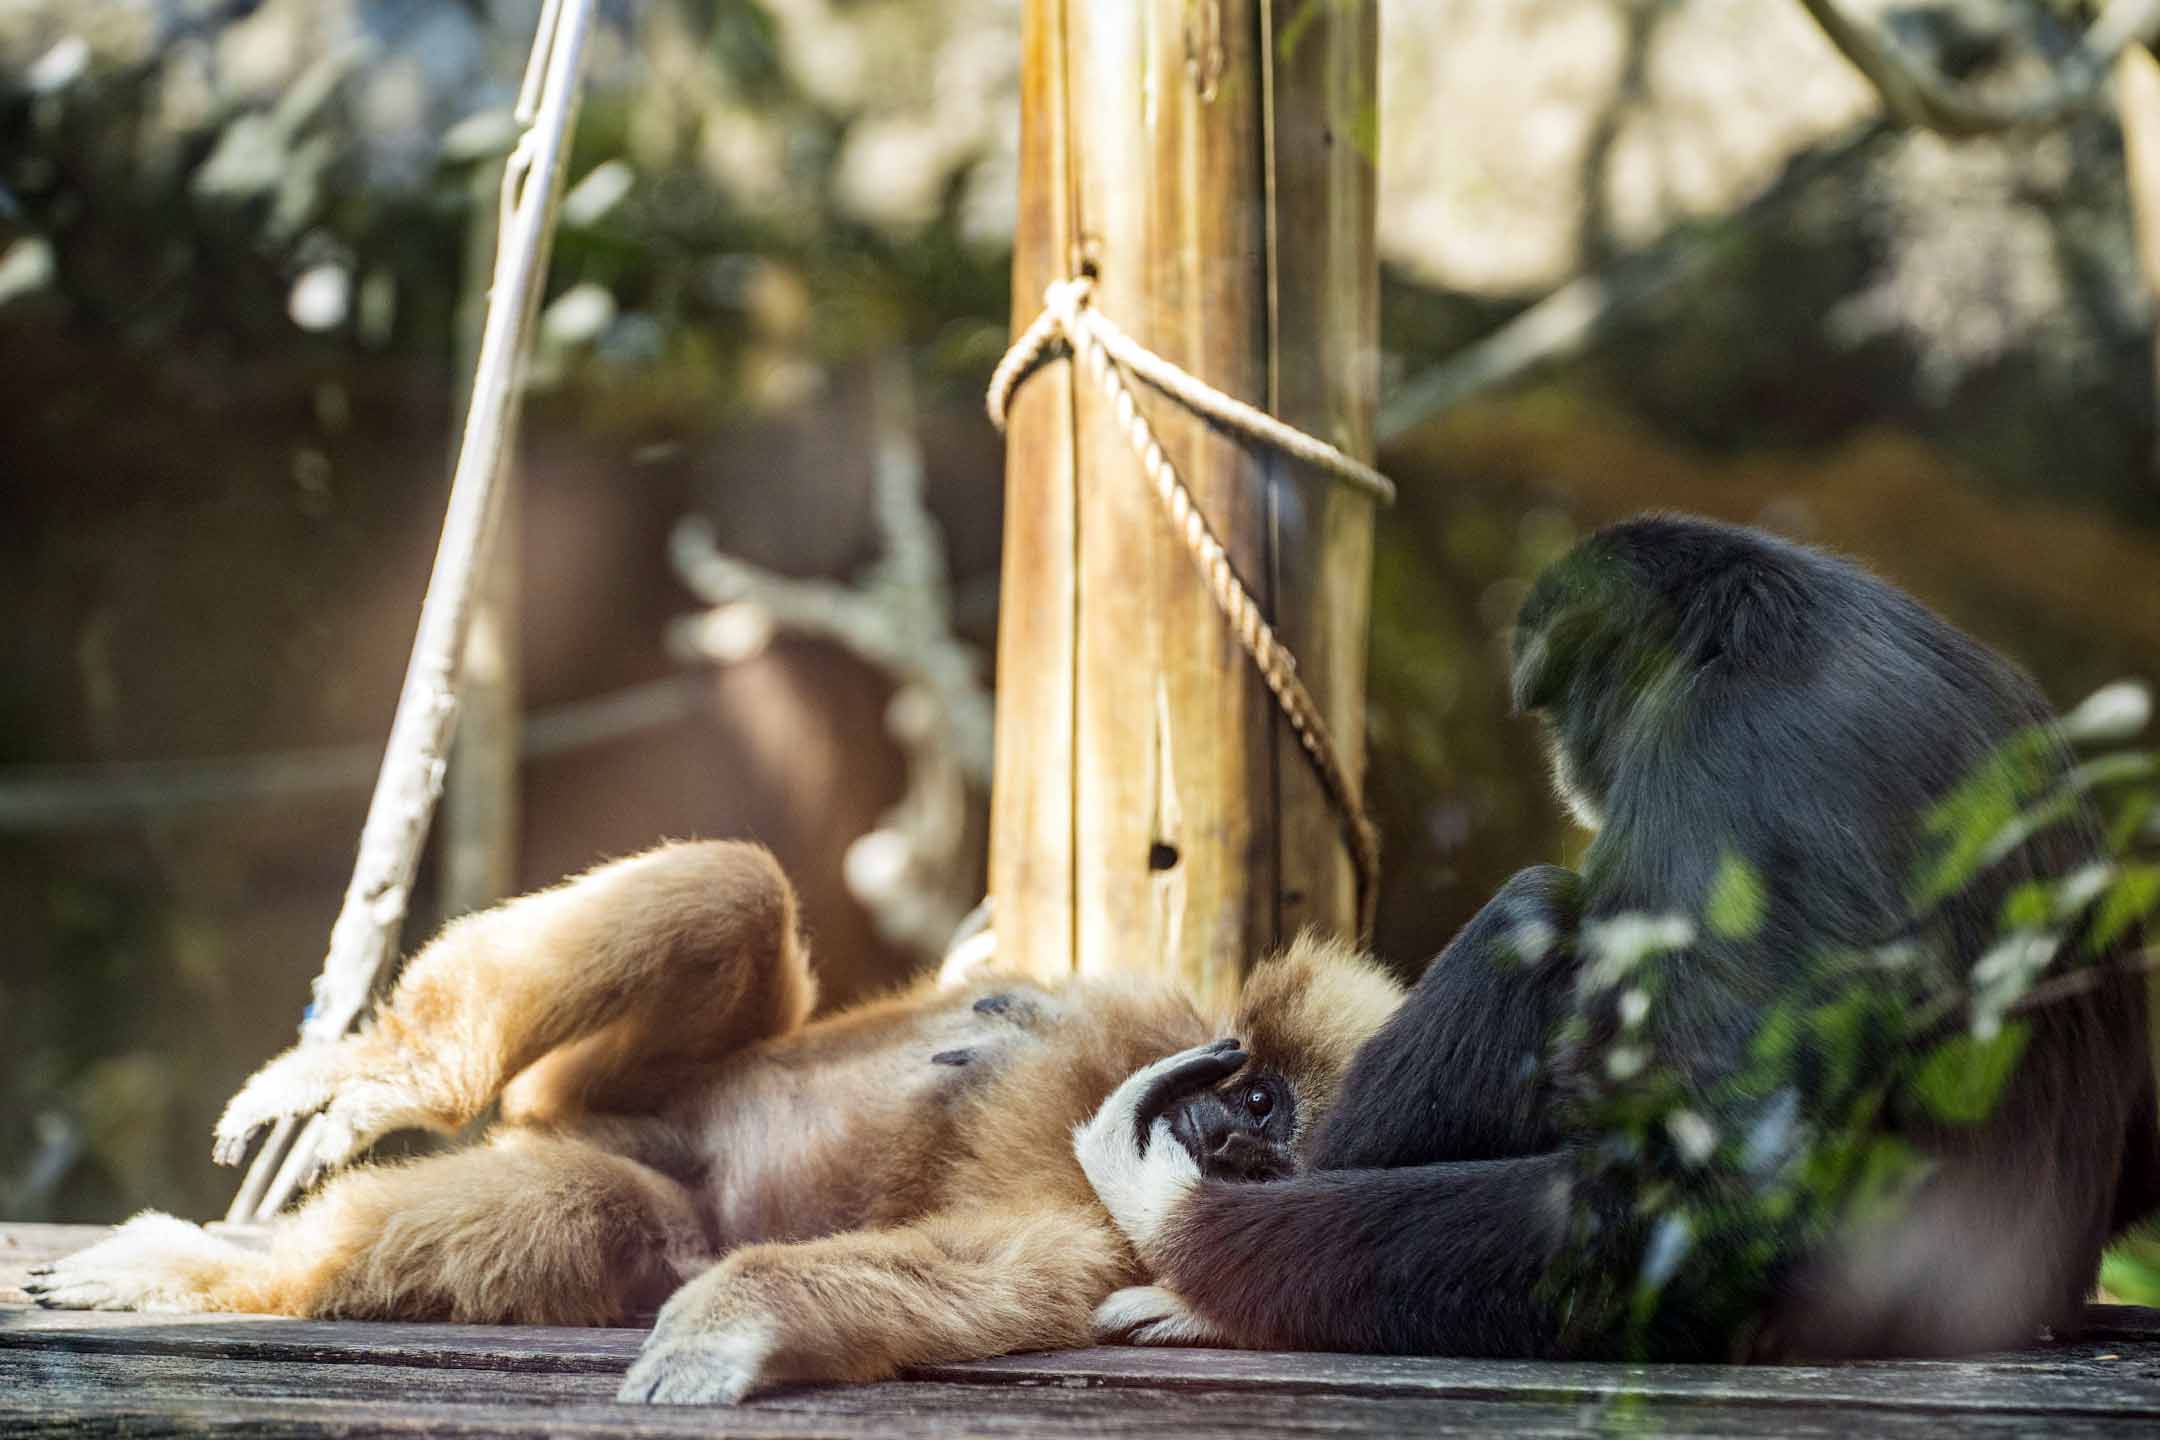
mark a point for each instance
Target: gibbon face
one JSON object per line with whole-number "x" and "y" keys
{"x": 1248, "y": 1110}
{"x": 1241, "y": 1129}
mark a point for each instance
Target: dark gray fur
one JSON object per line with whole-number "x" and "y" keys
{"x": 1711, "y": 691}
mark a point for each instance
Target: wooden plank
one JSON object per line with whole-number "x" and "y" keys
{"x": 134, "y": 1394}
{"x": 80, "y": 1377}
{"x": 27, "y": 1244}
{"x": 2121, "y": 1322}
{"x": 516, "y": 1348}
{"x": 1176, "y": 1418}
{"x": 2065, "y": 1381}
{"x": 24, "y": 1245}
{"x": 2096, "y": 1376}
{"x": 189, "y": 1374}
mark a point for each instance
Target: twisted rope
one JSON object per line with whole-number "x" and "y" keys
{"x": 1050, "y": 327}
{"x": 1068, "y": 320}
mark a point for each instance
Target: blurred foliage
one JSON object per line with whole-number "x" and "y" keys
{"x": 1732, "y": 1172}
{"x": 245, "y": 167}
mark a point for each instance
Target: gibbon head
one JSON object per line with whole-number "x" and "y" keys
{"x": 1616, "y": 636}
{"x": 1302, "y": 1015}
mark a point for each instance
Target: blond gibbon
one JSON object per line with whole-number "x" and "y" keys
{"x": 826, "y": 1199}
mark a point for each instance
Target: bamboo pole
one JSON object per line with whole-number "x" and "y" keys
{"x": 1211, "y": 161}
{"x": 366, "y": 931}
{"x": 480, "y": 793}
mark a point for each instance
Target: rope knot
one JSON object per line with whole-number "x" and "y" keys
{"x": 1069, "y": 323}
{"x": 1064, "y": 297}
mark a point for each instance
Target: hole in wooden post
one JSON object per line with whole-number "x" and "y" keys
{"x": 1161, "y": 856}
{"x": 1205, "y": 57}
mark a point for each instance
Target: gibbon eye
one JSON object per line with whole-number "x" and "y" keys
{"x": 1258, "y": 1102}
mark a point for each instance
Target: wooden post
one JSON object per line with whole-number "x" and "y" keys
{"x": 480, "y": 790}
{"x": 2137, "y": 107}
{"x": 1212, "y": 162}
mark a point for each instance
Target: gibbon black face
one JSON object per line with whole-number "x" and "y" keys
{"x": 1234, "y": 1118}
{"x": 1240, "y": 1129}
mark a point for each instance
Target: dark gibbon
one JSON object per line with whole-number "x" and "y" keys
{"x": 1771, "y": 745}
{"x": 803, "y": 1200}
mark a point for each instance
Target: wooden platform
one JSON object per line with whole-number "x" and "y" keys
{"x": 65, "y": 1373}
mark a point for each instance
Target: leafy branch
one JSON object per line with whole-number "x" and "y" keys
{"x": 1918, "y": 96}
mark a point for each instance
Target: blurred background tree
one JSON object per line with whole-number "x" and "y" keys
{"x": 232, "y": 261}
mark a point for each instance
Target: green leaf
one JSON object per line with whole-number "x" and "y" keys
{"x": 1775, "y": 1040}
{"x": 2027, "y": 907}
{"x": 2131, "y": 1271}
{"x": 1967, "y": 822}
{"x": 2130, "y": 817}
{"x": 1736, "y": 905}
{"x": 2128, "y": 902}
{"x": 1962, "y": 1079}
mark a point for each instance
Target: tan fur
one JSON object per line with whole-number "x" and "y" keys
{"x": 1308, "y": 1010}
{"x": 954, "y": 1285}
{"x": 840, "y": 1204}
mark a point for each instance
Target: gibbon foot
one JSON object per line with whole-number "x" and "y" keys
{"x": 154, "y": 1262}
{"x": 866, "y": 1304}
{"x": 686, "y": 1364}
{"x": 591, "y": 997}
{"x": 298, "y": 1082}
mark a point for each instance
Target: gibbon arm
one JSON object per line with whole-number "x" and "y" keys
{"x": 1437, "y": 1259}
{"x": 1448, "y": 1259}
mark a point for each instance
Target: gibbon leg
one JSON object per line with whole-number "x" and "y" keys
{"x": 863, "y": 1305}
{"x": 627, "y": 973}
{"x": 529, "y": 1229}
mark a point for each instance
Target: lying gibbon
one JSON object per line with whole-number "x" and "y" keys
{"x": 830, "y": 1200}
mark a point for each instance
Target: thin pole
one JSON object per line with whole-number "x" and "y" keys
{"x": 365, "y": 935}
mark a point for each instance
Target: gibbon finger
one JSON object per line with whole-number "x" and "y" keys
{"x": 1180, "y": 1075}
